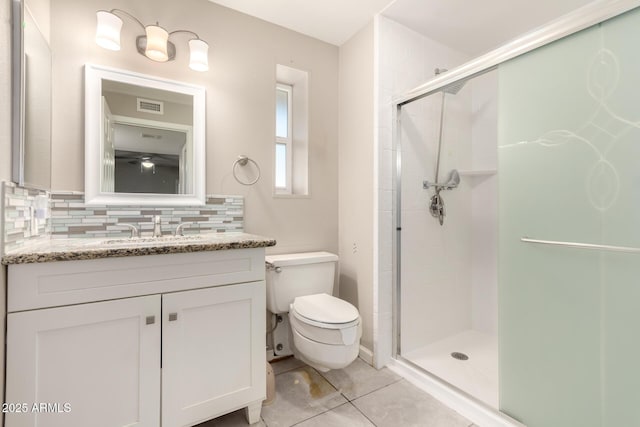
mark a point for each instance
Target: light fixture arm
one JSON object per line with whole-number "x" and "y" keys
{"x": 123, "y": 12}
{"x": 154, "y": 44}
{"x": 185, "y": 31}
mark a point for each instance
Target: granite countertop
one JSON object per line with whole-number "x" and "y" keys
{"x": 50, "y": 250}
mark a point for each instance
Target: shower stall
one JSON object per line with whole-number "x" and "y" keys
{"x": 517, "y": 245}
{"x": 446, "y": 253}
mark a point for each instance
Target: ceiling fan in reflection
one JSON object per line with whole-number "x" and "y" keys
{"x": 147, "y": 162}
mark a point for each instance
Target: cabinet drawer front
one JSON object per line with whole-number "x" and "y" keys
{"x": 40, "y": 285}
{"x": 97, "y": 364}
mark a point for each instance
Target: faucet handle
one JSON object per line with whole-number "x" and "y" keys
{"x": 179, "y": 231}
{"x": 157, "y": 226}
{"x": 134, "y": 230}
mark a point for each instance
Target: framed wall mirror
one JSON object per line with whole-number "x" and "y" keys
{"x": 31, "y": 99}
{"x": 144, "y": 140}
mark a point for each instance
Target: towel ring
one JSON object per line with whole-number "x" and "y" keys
{"x": 242, "y": 161}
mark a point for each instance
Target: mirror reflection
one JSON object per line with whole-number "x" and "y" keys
{"x": 146, "y": 140}
{"x": 31, "y": 102}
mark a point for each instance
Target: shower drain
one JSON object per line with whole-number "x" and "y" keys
{"x": 459, "y": 356}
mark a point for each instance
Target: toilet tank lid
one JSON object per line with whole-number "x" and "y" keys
{"x": 301, "y": 258}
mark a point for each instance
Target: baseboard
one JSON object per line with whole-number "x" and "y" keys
{"x": 366, "y": 355}
{"x": 468, "y": 407}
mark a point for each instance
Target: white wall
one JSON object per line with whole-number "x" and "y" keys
{"x": 240, "y": 105}
{"x": 41, "y": 12}
{"x": 356, "y": 129}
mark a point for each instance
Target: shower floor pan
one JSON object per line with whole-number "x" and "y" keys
{"x": 477, "y": 375}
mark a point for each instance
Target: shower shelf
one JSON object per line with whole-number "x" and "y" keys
{"x": 479, "y": 172}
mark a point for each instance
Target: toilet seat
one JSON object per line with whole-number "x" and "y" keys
{"x": 324, "y": 311}
{"x": 325, "y": 319}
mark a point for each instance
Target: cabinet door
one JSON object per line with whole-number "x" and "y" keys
{"x": 101, "y": 359}
{"x": 213, "y": 352}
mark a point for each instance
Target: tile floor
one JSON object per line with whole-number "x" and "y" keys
{"x": 357, "y": 396}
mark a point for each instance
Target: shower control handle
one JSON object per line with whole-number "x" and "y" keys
{"x": 454, "y": 180}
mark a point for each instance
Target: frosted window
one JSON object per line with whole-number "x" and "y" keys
{"x": 282, "y": 113}
{"x": 281, "y": 165}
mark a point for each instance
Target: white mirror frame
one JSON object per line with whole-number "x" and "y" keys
{"x": 94, "y": 75}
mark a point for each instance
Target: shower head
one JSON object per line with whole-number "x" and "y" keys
{"x": 453, "y": 88}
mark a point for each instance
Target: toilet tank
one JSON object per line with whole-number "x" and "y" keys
{"x": 294, "y": 275}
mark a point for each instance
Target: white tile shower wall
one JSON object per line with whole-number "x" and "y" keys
{"x": 436, "y": 259}
{"x": 19, "y": 213}
{"x": 484, "y": 276}
{"x": 405, "y": 59}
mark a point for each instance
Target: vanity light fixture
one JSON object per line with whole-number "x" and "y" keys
{"x": 155, "y": 44}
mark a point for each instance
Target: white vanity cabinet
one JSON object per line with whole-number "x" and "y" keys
{"x": 160, "y": 340}
{"x": 102, "y": 359}
{"x": 209, "y": 361}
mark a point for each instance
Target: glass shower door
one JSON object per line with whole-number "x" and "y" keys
{"x": 447, "y": 264}
{"x": 569, "y": 160}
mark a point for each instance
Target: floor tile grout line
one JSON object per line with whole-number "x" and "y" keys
{"x": 288, "y": 370}
{"x": 373, "y": 391}
{"x": 350, "y": 400}
{"x": 363, "y": 414}
{"x": 321, "y": 413}
{"x": 340, "y": 392}
{"x": 328, "y": 382}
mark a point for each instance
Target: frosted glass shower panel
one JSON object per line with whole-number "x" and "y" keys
{"x": 569, "y": 159}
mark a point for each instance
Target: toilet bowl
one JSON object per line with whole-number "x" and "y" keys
{"x": 325, "y": 331}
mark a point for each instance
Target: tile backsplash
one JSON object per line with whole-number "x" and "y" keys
{"x": 25, "y": 218}
{"x": 69, "y": 217}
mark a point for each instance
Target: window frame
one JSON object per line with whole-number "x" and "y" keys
{"x": 288, "y": 142}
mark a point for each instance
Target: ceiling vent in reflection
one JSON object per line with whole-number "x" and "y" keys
{"x": 150, "y": 135}
{"x": 150, "y": 106}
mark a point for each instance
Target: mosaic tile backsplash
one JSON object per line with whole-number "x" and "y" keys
{"x": 69, "y": 217}
{"x": 25, "y": 215}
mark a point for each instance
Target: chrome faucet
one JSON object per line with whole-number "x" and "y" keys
{"x": 180, "y": 228}
{"x": 157, "y": 228}
{"x": 134, "y": 230}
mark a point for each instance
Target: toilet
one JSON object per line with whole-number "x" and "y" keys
{"x": 325, "y": 331}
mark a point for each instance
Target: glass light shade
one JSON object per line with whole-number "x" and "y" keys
{"x": 147, "y": 164}
{"x": 157, "y": 38}
{"x": 199, "y": 58}
{"x": 108, "y": 30}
